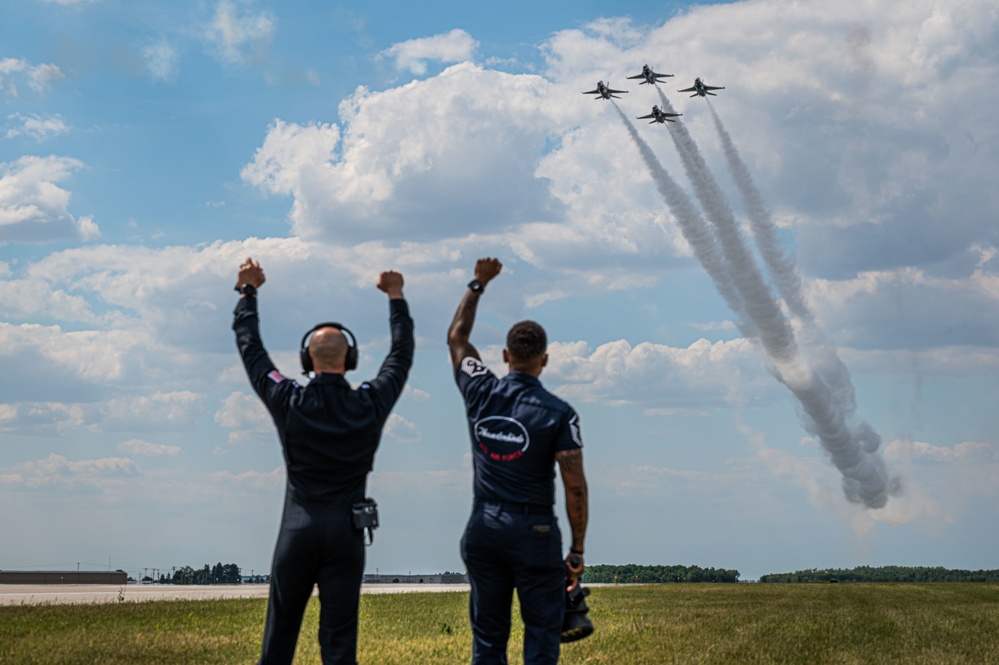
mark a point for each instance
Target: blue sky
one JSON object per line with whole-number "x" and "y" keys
{"x": 146, "y": 149}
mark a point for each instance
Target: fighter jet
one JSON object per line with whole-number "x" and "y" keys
{"x": 650, "y": 76}
{"x": 603, "y": 91}
{"x": 701, "y": 89}
{"x": 659, "y": 116}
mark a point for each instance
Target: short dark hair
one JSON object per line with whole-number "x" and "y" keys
{"x": 526, "y": 340}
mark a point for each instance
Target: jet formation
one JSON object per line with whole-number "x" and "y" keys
{"x": 652, "y": 77}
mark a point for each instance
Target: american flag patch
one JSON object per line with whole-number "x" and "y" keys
{"x": 275, "y": 376}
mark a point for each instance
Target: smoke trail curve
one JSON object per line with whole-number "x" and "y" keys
{"x": 775, "y": 332}
{"x": 695, "y": 231}
{"x": 852, "y": 451}
{"x": 782, "y": 268}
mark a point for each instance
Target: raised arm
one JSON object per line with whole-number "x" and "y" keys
{"x": 247, "y": 326}
{"x": 392, "y": 375}
{"x": 570, "y": 463}
{"x": 461, "y": 326}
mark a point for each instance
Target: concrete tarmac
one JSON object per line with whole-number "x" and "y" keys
{"x": 61, "y": 594}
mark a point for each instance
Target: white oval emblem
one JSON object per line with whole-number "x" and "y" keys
{"x": 500, "y": 438}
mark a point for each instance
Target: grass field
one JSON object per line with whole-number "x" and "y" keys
{"x": 681, "y": 623}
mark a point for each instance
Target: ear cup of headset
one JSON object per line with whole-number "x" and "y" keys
{"x": 350, "y": 361}
{"x": 306, "y": 359}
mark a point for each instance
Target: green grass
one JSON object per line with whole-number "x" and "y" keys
{"x": 683, "y": 623}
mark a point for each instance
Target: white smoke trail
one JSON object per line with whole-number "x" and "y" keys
{"x": 782, "y": 268}
{"x": 695, "y": 231}
{"x": 852, "y": 450}
{"x": 761, "y": 306}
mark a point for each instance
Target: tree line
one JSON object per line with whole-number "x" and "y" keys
{"x": 636, "y": 574}
{"x": 884, "y": 574}
{"x": 220, "y": 573}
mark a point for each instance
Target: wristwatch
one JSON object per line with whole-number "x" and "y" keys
{"x": 476, "y": 286}
{"x": 247, "y": 289}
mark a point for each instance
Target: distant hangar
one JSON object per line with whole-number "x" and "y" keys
{"x": 63, "y": 577}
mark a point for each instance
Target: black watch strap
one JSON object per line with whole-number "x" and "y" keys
{"x": 247, "y": 289}
{"x": 476, "y": 286}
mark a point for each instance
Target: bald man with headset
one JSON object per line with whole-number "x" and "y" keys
{"x": 329, "y": 433}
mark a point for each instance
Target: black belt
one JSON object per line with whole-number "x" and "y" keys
{"x": 522, "y": 508}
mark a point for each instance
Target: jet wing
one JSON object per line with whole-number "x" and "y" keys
{"x": 615, "y": 91}
{"x": 637, "y": 76}
{"x": 592, "y": 92}
{"x": 712, "y": 87}
{"x": 690, "y": 89}
{"x": 645, "y": 117}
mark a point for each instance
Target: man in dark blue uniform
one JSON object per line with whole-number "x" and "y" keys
{"x": 329, "y": 433}
{"x": 512, "y": 540}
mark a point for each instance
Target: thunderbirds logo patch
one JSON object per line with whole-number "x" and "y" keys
{"x": 473, "y": 367}
{"x": 501, "y": 439}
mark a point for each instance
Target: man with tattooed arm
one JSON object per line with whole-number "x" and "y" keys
{"x": 512, "y": 539}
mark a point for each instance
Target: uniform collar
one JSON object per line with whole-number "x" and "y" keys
{"x": 328, "y": 377}
{"x": 523, "y": 377}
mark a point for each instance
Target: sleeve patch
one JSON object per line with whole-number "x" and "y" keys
{"x": 276, "y": 376}
{"x": 472, "y": 367}
{"x": 574, "y": 432}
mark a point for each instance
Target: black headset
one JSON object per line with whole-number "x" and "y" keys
{"x": 349, "y": 363}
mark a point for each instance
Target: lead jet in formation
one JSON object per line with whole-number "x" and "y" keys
{"x": 659, "y": 116}
{"x": 701, "y": 89}
{"x": 604, "y": 92}
{"x": 650, "y": 76}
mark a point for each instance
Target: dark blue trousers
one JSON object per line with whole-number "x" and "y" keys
{"x": 317, "y": 545}
{"x": 505, "y": 547}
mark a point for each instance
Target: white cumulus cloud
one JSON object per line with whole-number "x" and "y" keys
{"x": 33, "y": 208}
{"x": 412, "y": 55}
{"x": 659, "y": 377}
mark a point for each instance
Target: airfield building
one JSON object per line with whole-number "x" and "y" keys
{"x": 63, "y": 577}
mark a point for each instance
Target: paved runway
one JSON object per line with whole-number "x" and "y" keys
{"x": 59, "y": 594}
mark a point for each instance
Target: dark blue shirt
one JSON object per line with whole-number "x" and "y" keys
{"x": 516, "y": 427}
{"x": 329, "y": 431}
